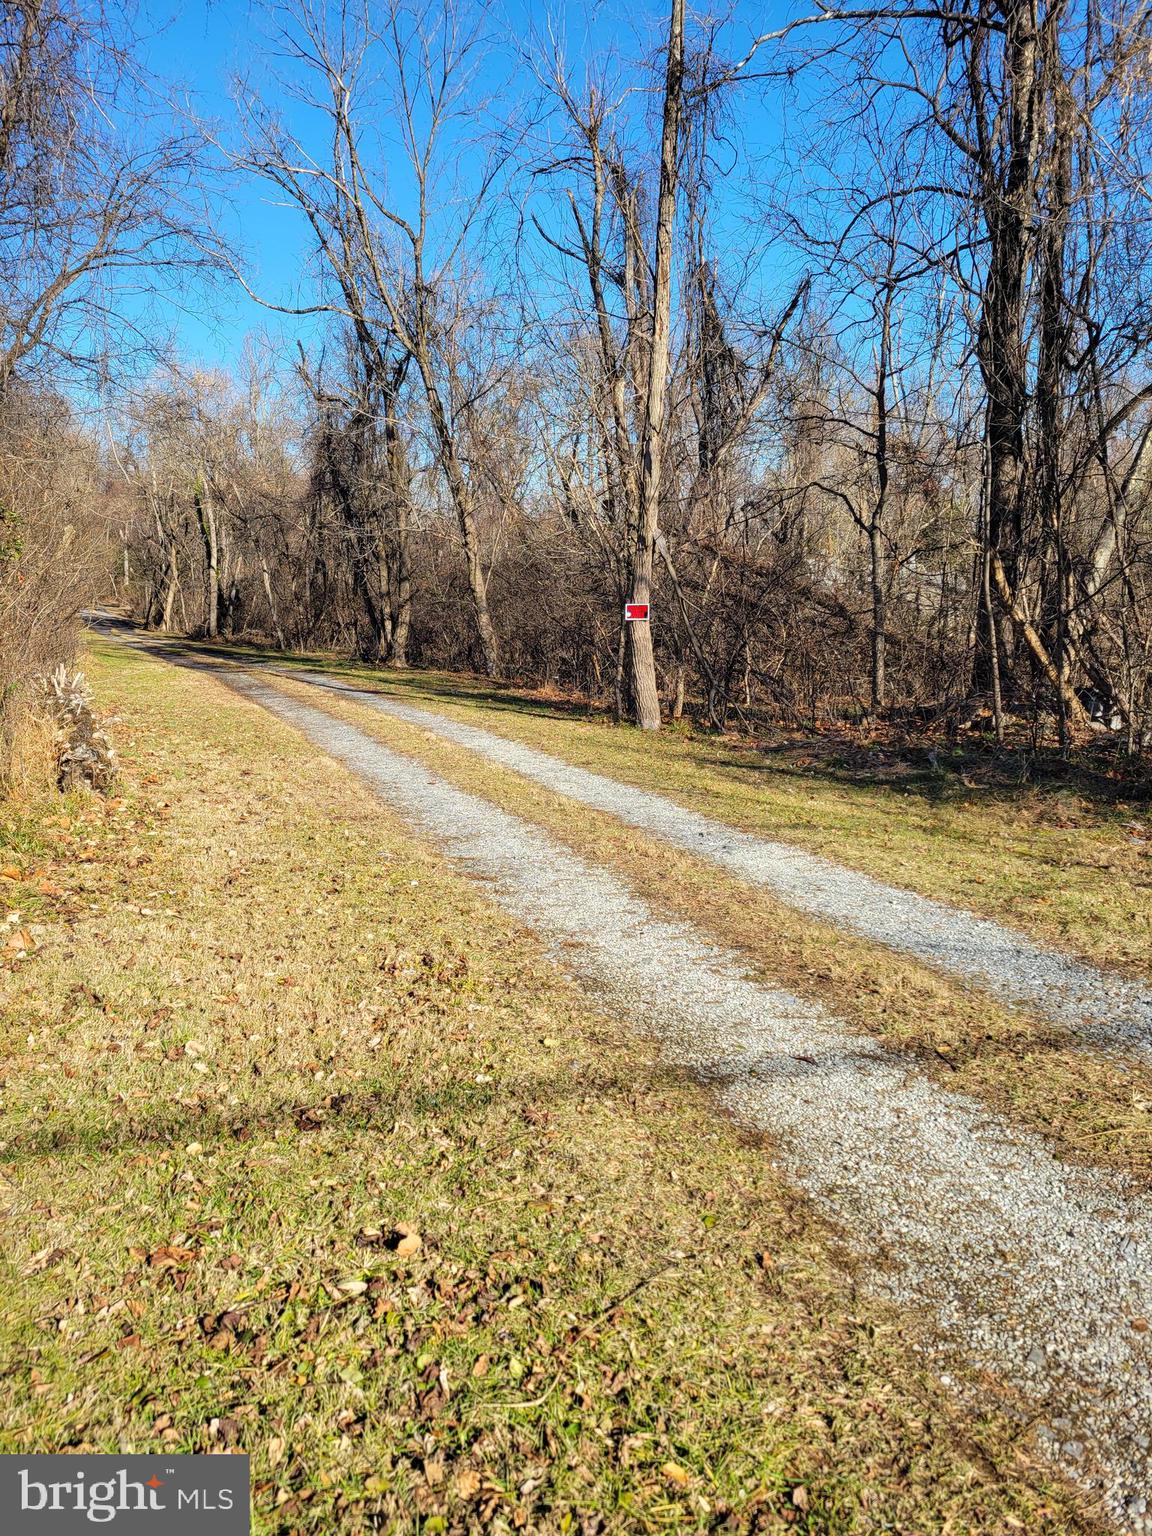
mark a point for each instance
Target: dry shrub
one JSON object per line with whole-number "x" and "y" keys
{"x": 51, "y": 550}
{"x": 32, "y": 758}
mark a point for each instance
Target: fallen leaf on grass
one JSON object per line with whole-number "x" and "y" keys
{"x": 800, "y": 1497}
{"x": 676, "y": 1474}
{"x": 11, "y": 872}
{"x": 276, "y": 1448}
{"x": 404, "y": 1241}
{"x": 45, "y": 1259}
{"x": 467, "y": 1483}
{"x": 168, "y": 1257}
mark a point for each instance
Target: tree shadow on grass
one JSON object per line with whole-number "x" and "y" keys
{"x": 525, "y": 1101}
{"x": 1096, "y": 775}
{"x": 1091, "y": 786}
{"x": 413, "y": 684}
{"x": 529, "y": 1098}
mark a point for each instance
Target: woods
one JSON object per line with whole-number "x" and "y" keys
{"x": 829, "y": 343}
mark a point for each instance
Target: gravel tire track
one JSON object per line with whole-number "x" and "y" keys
{"x": 1103, "y": 1009}
{"x": 1029, "y": 1269}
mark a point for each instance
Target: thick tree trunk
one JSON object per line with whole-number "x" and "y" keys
{"x": 879, "y": 618}
{"x": 266, "y": 577}
{"x": 171, "y": 577}
{"x": 878, "y": 579}
{"x": 1007, "y": 196}
{"x": 170, "y": 591}
{"x": 642, "y": 670}
{"x": 1053, "y": 347}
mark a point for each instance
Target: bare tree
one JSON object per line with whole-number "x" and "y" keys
{"x": 391, "y": 264}
{"x": 1020, "y": 126}
{"x": 645, "y": 695}
{"x": 94, "y": 187}
{"x": 99, "y": 196}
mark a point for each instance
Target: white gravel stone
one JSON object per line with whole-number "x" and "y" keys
{"x": 1095, "y": 1006}
{"x": 1027, "y": 1268}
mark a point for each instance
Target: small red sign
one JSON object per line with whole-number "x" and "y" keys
{"x": 635, "y": 613}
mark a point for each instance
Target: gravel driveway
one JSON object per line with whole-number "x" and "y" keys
{"x": 1036, "y": 1272}
{"x": 1106, "y": 1010}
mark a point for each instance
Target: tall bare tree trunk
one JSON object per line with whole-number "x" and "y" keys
{"x": 879, "y": 617}
{"x": 266, "y": 577}
{"x": 172, "y": 586}
{"x": 876, "y": 559}
{"x": 206, "y": 517}
{"x": 401, "y": 535}
{"x": 645, "y": 695}
{"x": 1007, "y": 195}
{"x": 461, "y": 493}
{"x": 167, "y": 540}
{"x": 994, "y": 657}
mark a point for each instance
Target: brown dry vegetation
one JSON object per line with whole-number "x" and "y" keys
{"x": 253, "y": 1030}
{"x": 51, "y": 556}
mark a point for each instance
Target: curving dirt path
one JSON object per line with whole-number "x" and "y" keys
{"x": 1104, "y": 1009}
{"x": 1035, "y": 1272}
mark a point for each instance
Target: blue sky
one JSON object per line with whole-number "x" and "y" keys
{"x": 203, "y": 45}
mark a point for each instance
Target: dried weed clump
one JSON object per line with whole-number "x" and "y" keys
{"x": 85, "y": 756}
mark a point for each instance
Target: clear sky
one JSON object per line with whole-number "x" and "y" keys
{"x": 199, "y": 49}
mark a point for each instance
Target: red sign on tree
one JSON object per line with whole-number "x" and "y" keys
{"x": 635, "y": 613}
